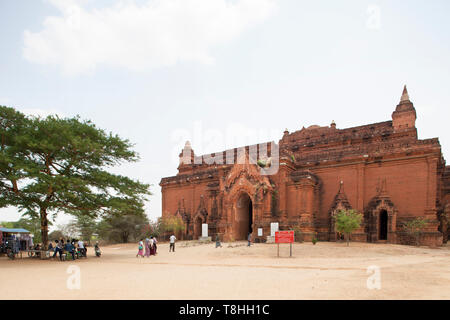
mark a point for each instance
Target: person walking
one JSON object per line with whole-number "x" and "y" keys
{"x": 218, "y": 244}
{"x": 152, "y": 246}
{"x": 172, "y": 243}
{"x": 147, "y": 247}
{"x": 140, "y": 249}
{"x": 54, "y": 248}
{"x": 63, "y": 249}
{"x": 58, "y": 248}
{"x": 249, "y": 238}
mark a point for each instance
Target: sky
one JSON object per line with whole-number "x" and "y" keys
{"x": 222, "y": 73}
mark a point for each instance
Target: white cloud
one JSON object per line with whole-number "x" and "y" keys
{"x": 140, "y": 37}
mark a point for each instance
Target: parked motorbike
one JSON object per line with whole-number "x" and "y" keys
{"x": 8, "y": 248}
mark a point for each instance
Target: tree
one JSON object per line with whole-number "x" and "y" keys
{"x": 86, "y": 226}
{"x": 120, "y": 228}
{"x": 57, "y": 165}
{"x": 56, "y": 235}
{"x": 173, "y": 224}
{"x": 153, "y": 228}
{"x": 348, "y": 221}
{"x": 414, "y": 228}
{"x": 69, "y": 230}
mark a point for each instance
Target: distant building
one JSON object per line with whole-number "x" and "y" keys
{"x": 382, "y": 170}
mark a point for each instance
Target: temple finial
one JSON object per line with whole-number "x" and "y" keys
{"x": 405, "y": 95}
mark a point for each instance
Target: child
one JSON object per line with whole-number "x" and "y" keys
{"x": 141, "y": 249}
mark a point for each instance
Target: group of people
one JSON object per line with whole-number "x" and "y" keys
{"x": 74, "y": 247}
{"x": 147, "y": 248}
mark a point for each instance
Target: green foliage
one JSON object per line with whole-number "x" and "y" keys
{"x": 7, "y": 224}
{"x": 348, "y": 221}
{"x": 86, "y": 226}
{"x": 415, "y": 227}
{"x": 314, "y": 239}
{"x": 173, "y": 224}
{"x": 56, "y": 165}
{"x": 122, "y": 228}
{"x": 261, "y": 163}
{"x": 293, "y": 158}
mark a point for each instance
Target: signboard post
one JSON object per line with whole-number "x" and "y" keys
{"x": 284, "y": 237}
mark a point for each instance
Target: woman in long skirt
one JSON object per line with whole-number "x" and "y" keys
{"x": 140, "y": 249}
{"x": 147, "y": 247}
{"x": 152, "y": 246}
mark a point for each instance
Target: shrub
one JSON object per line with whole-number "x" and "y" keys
{"x": 415, "y": 227}
{"x": 348, "y": 221}
{"x": 298, "y": 235}
{"x": 314, "y": 239}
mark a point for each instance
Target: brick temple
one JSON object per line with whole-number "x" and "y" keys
{"x": 381, "y": 170}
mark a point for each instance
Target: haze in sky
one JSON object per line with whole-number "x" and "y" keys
{"x": 221, "y": 73}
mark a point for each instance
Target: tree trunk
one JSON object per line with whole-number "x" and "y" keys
{"x": 348, "y": 239}
{"x": 44, "y": 228}
{"x": 125, "y": 237}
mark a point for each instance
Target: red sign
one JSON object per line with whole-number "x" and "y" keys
{"x": 284, "y": 236}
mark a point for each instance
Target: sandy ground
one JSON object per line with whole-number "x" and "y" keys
{"x": 324, "y": 271}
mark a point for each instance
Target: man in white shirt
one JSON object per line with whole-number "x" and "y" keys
{"x": 172, "y": 243}
{"x": 81, "y": 247}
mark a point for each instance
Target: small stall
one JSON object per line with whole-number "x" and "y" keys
{"x": 15, "y": 240}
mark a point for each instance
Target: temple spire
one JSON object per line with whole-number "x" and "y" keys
{"x": 404, "y": 116}
{"x": 405, "y": 95}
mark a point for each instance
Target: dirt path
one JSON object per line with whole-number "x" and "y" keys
{"x": 324, "y": 271}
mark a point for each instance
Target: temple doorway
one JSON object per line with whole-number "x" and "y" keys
{"x": 243, "y": 218}
{"x": 198, "y": 228}
{"x": 383, "y": 225}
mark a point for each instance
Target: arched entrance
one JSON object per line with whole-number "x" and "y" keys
{"x": 198, "y": 228}
{"x": 380, "y": 219}
{"x": 383, "y": 225}
{"x": 243, "y": 218}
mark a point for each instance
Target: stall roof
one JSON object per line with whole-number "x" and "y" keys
{"x": 14, "y": 230}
